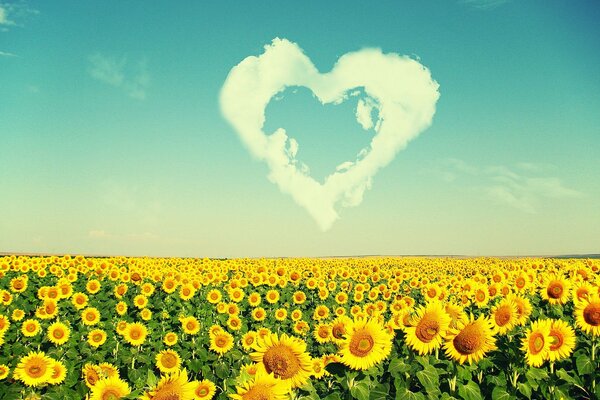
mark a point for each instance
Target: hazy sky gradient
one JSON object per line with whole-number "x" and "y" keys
{"x": 112, "y": 140}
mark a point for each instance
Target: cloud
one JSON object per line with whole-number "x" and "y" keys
{"x": 133, "y": 79}
{"x": 6, "y": 54}
{"x": 517, "y": 187}
{"x": 484, "y": 4}
{"x": 4, "y": 16}
{"x": 397, "y": 90}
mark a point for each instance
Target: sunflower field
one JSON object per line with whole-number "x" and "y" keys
{"x": 274, "y": 329}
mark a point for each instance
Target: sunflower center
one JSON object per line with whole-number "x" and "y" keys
{"x": 35, "y": 371}
{"x": 502, "y": 316}
{"x": 557, "y": 340}
{"x": 30, "y": 328}
{"x": 469, "y": 340}
{"x": 480, "y": 296}
{"x": 111, "y": 394}
{"x": 281, "y": 361}
{"x": 135, "y": 334}
{"x": 591, "y": 314}
{"x": 58, "y": 334}
{"x": 323, "y": 332}
{"x": 361, "y": 343}
{"x": 169, "y": 360}
{"x": 536, "y": 343}
{"x": 97, "y": 337}
{"x": 221, "y": 341}
{"x": 427, "y": 329}
{"x": 520, "y": 283}
{"x": 554, "y": 290}
{"x": 259, "y": 392}
{"x": 90, "y": 316}
{"x": 202, "y": 391}
{"x": 338, "y": 331}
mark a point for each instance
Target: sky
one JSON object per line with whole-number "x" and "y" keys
{"x": 125, "y": 128}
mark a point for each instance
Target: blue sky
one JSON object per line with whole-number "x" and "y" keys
{"x": 113, "y": 140}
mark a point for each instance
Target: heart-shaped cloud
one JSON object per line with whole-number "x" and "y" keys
{"x": 398, "y": 87}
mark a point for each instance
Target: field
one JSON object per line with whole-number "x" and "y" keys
{"x": 261, "y": 329}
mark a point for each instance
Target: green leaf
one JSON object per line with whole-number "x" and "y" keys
{"x": 562, "y": 393}
{"x": 397, "y": 367}
{"x": 151, "y": 379}
{"x": 564, "y": 375}
{"x": 406, "y": 394}
{"x": 332, "y": 396}
{"x": 360, "y": 391}
{"x": 336, "y": 369}
{"x": 500, "y": 393}
{"x": 463, "y": 373}
{"x": 381, "y": 391}
{"x": 536, "y": 374}
{"x": 470, "y": 391}
{"x": 524, "y": 389}
{"x": 429, "y": 379}
{"x": 584, "y": 365}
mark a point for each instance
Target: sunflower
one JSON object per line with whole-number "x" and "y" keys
{"x": 587, "y": 315}
{"x": 4, "y": 370}
{"x": 140, "y": 301}
{"x": 58, "y": 333}
{"x": 536, "y": 343}
{"x": 221, "y": 342}
{"x": 456, "y": 313}
{"x": 96, "y": 337}
{"x": 556, "y": 289}
{"x": 93, "y": 286}
{"x": 146, "y": 314}
{"x": 339, "y": 327}
{"x": 504, "y": 316}
{"x": 4, "y": 323}
{"x": 582, "y": 291}
{"x": 173, "y": 386}
{"x": 187, "y": 291}
{"x": 263, "y": 386}
{"x": 107, "y": 370}
{"x": 136, "y": 333}
{"x": 249, "y": 339}
{"x": 190, "y": 325}
{"x": 34, "y": 369}
{"x": 321, "y": 312}
{"x": 170, "y": 338}
{"x": 481, "y": 296}
{"x": 272, "y": 296}
{"x": 234, "y": 323}
{"x": 17, "y": 314}
{"x": 428, "y": 328}
{"x": 471, "y": 340}
{"x": 524, "y": 308}
{"x": 259, "y": 314}
{"x": 169, "y": 285}
{"x": 281, "y": 314}
{"x": 205, "y": 390}
{"x": 318, "y": 368}
{"x": 366, "y": 343}
{"x": 91, "y": 374}
{"x": 214, "y": 296}
{"x": 121, "y": 308}
{"x": 563, "y": 340}
{"x": 110, "y": 388}
{"x": 322, "y": 333}
{"x": 168, "y": 361}
{"x": 30, "y": 327}
{"x": 59, "y": 373}
{"x": 90, "y": 316}
{"x": 254, "y": 299}
{"x": 285, "y": 357}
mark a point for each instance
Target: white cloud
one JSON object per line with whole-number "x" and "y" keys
{"x": 133, "y": 79}
{"x": 6, "y": 54}
{"x": 484, "y": 4}
{"x": 509, "y": 186}
{"x": 4, "y": 16}
{"x": 400, "y": 89}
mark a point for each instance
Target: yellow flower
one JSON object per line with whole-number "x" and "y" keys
{"x": 121, "y": 308}
{"x": 587, "y": 315}
{"x": 259, "y": 314}
{"x": 172, "y": 386}
{"x": 136, "y": 334}
{"x": 4, "y": 370}
{"x": 34, "y": 369}
{"x": 262, "y": 387}
{"x": 170, "y": 338}
{"x": 280, "y": 314}
{"x": 563, "y": 340}
{"x": 234, "y": 323}
{"x": 58, "y": 333}
{"x": 17, "y": 314}
{"x": 249, "y": 339}
{"x": 221, "y": 342}
{"x": 187, "y": 291}
{"x": 471, "y": 340}
{"x": 190, "y": 325}
{"x": 322, "y": 333}
{"x": 214, "y": 296}
{"x": 366, "y": 344}
{"x": 428, "y": 328}
{"x": 556, "y": 289}
{"x": 110, "y": 389}
{"x": 285, "y": 357}
{"x": 93, "y": 286}
{"x": 90, "y": 316}
{"x": 504, "y": 316}
{"x": 536, "y": 343}
{"x": 140, "y": 301}
{"x": 96, "y": 337}
{"x": 30, "y": 327}
{"x": 91, "y": 375}
{"x": 59, "y": 373}
{"x": 168, "y": 361}
{"x": 205, "y": 390}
